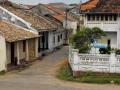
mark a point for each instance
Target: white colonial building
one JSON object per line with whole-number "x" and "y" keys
{"x": 108, "y": 22}
{"x": 105, "y": 15}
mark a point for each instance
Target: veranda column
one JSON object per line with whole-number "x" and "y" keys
{"x": 36, "y": 47}
{"x": 118, "y": 32}
{"x": 18, "y": 54}
{"x": 26, "y": 51}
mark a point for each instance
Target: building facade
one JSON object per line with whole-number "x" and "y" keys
{"x": 17, "y": 45}
{"x": 105, "y": 15}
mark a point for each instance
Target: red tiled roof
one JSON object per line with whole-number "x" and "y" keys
{"x": 55, "y": 9}
{"x": 89, "y": 5}
{"x": 111, "y": 6}
{"x": 59, "y": 17}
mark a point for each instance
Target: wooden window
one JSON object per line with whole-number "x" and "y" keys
{"x": 115, "y": 17}
{"x": 98, "y": 17}
{"x": 61, "y": 36}
{"x": 88, "y": 17}
{"x": 93, "y": 17}
{"x": 24, "y": 45}
{"x": 109, "y": 42}
{"x": 54, "y": 39}
{"x": 110, "y": 18}
{"x": 106, "y": 18}
{"x": 102, "y": 17}
{"x": 58, "y": 38}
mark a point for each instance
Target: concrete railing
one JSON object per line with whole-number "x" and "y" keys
{"x": 94, "y": 62}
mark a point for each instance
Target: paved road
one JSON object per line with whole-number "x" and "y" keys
{"x": 41, "y": 76}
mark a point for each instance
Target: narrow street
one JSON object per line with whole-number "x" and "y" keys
{"x": 41, "y": 76}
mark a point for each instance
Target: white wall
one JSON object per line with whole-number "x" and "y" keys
{"x": 70, "y": 25}
{"x": 51, "y": 35}
{"x": 2, "y": 54}
{"x": 112, "y": 29}
{"x": 50, "y": 40}
{"x": 62, "y": 40}
{"x": 113, "y": 37}
{"x": 94, "y": 62}
{"x": 104, "y": 25}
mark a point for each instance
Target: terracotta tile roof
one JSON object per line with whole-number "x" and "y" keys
{"x": 71, "y": 16}
{"x": 38, "y": 22}
{"x": 61, "y": 17}
{"x": 58, "y": 17}
{"x": 55, "y": 9}
{"x": 89, "y": 5}
{"x": 106, "y": 6}
{"x": 56, "y": 22}
{"x": 14, "y": 33}
{"x": 111, "y": 6}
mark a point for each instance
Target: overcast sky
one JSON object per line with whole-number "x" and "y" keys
{"x": 45, "y": 1}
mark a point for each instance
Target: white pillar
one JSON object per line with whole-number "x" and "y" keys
{"x": 26, "y": 51}
{"x": 18, "y": 54}
{"x": 36, "y": 47}
{"x": 113, "y": 60}
{"x": 118, "y": 33}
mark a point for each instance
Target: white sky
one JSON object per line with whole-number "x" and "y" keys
{"x": 45, "y": 1}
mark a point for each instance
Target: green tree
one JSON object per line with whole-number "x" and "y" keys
{"x": 82, "y": 40}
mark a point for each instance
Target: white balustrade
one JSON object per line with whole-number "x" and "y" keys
{"x": 94, "y": 62}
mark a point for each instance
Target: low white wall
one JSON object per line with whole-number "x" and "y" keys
{"x": 94, "y": 62}
{"x": 2, "y": 54}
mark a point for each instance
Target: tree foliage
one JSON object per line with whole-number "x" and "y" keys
{"x": 82, "y": 40}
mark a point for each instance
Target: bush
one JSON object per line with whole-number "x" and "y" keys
{"x": 82, "y": 40}
{"x": 105, "y": 50}
{"x": 118, "y": 52}
{"x": 2, "y": 72}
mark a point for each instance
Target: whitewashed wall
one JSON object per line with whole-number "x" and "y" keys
{"x": 51, "y": 36}
{"x": 50, "y": 41}
{"x": 112, "y": 28}
{"x": 104, "y": 25}
{"x": 71, "y": 25}
{"x": 2, "y": 54}
{"x": 94, "y": 62}
{"x": 113, "y": 37}
{"x": 62, "y": 40}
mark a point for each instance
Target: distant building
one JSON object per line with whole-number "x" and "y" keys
{"x": 52, "y": 36}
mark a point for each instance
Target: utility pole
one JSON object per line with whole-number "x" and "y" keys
{"x": 66, "y": 25}
{"x": 80, "y": 13}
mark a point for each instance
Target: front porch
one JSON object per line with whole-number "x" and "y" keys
{"x": 20, "y": 53}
